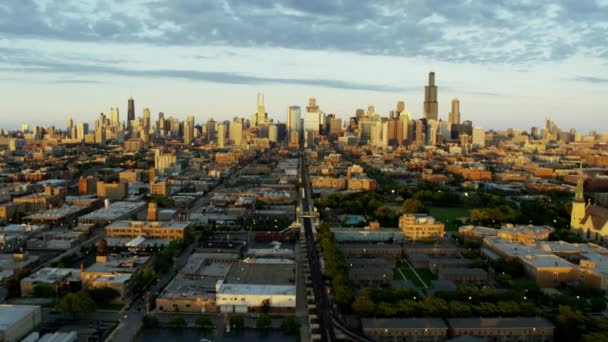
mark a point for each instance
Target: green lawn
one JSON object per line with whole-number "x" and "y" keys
{"x": 449, "y": 216}
{"x": 409, "y": 274}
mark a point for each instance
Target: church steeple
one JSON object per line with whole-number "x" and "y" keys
{"x": 579, "y": 195}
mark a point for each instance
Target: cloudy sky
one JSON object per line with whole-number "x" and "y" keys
{"x": 511, "y": 63}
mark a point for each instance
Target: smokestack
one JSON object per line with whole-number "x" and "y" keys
{"x": 106, "y": 203}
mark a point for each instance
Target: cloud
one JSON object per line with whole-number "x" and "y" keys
{"x": 29, "y": 64}
{"x": 500, "y": 31}
{"x": 591, "y": 79}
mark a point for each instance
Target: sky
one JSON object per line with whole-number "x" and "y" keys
{"x": 511, "y": 63}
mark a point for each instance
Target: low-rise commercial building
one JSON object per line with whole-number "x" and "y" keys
{"x": 112, "y": 212}
{"x": 17, "y": 321}
{"x": 249, "y": 287}
{"x": 58, "y": 279}
{"x": 169, "y": 230}
{"x": 114, "y": 272}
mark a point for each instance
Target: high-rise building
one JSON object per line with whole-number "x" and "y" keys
{"x": 454, "y": 116}
{"x": 221, "y": 135}
{"x": 312, "y": 105}
{"x": 273, "y": 133}
{"x": 479, "y": 137}
{"x": 146, "y": 120}
{"x": 236, "y": 132}
{"x": 114, "y": 116}
{"x": 293, "y": 118}
{"x": 130, "y": 111}
{"x": 188, "y": 131}
{"x": 69, "y": 124}
{"x": 430, "y": 99}
{"x": 82, "y": 130}
{"x": 261, "y": 118}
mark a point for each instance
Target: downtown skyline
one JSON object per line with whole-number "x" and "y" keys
{"x": 55, "y": 65}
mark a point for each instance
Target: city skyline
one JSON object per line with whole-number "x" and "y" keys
{"x": 500, "y": 60}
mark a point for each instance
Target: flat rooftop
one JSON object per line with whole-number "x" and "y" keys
{"x": 403, "y": 323}
{"x": 118, "y": 265}
{"x": 261, "y": 274}
{"x": 149, "y": 224}
{"x": 492, "y": 323}
{"x": 50, "y": 275}
{"x": 11, "y": 314}
{"x": 57, "y": 213}
{"x": 115, "y": 211}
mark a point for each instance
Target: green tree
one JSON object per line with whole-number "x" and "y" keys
{"x": 103, "y": 296}
{"x": 74, "y": 303}
{"x": 237, "y": 322}
{"x": 263, "y": 322}
{"x": 43, "y": 290}
{"x": 597, "y": 304}
{"x": 204, "y": 323}
{"x": 290, "y": 325}
{"x": 570, "y": 323}
{"x": 459, "y": 309}
{"x": 266, "y": 305}
{"x": 412, "y": 206}
{"x": 145, "y": 277}
{"x": 363, "y": 306}
{"x": 150, "y": 322}
{"x": 177, "y": 322}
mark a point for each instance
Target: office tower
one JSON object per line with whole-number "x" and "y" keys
{"x": 431, "y": 132}
{"x": 236, "y": 132}
{"x": 312, "y": 120}
{"x": 312, "y": 105}
{"x": 100, "y": 136}
{"x": 444, "y": 130}
{"x": 188, "y": 132}
{"x": 534, "y": 133}
{"x": 479, "y": 137}
{"x": 146, "y": 120}
{"x": 420, "y": 131}
{"x": 221, "y": 134}
{"x": 273, "y": 133}
{"x": 454, "y": 116}
{"x": 293, "y": 118}
{"x": 393, "y": 131}
{"x": 82, "y": 130}
{"x": 430, "y": 99}
{"x": 261, "y": 118}
{"x": 400, "y": 107}
{"x": 114, "y": 116}
{"x": 69, "y": 124}
{"x": 211, "y": 124}
{"x": 467, "y": 127}
{"x": 130, "y": 111}
{"x": 335, "y": 127}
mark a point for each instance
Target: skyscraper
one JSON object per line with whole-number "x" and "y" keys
{"x": 114, "y": 116}
{"x": 236, "y": 132}
{"x": 221, "y": 134}
{"x": 479, "y": 137}
{"x": 454, "y": 117}
{"x": 261, "y": 117}
{"x": 430, "y": 99}
{"x": 146, "y": 120}
{"x": 130, "y": 111}
{"x": 293, "y": 118}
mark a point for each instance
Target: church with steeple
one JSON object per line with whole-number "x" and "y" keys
{"x": 590, "y": 220}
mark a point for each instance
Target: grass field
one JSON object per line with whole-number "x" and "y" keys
{"x": 449, "y": 216}
{"x": 404, "y": 271}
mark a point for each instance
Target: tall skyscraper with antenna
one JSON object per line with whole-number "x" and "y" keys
{"x": 430, "y": 99}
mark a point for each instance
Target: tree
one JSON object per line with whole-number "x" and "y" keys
{"x": 204, "y": 323}
{"x": 74, "y": 303}
{"x": 177, "y": 322}
{"x": 364, "y": 306}
{"x": 102, "y": 296}
{"x": 290, "y": 326}
{"x": 266, "y": 305}
{"x": 412, "y": 206}
{"x": 237, "y": 322}
{"x": 570, "y": 323}
{"x": 263, "y": 322}
{"x": 145, "y": 277}
{"x": 460, "y": 309}
{"x": 597, "y": 304}
{"x": 150, "y": 322}
{"x": 43, "y": 290}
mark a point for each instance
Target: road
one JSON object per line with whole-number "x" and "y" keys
{"x": 130, "y": 318}
{"x": 322, "y": 302}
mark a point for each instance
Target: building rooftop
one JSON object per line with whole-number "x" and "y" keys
{"x": 403, "y": 323}
{"x": 115, "y": 211}
{"x": 50, "y": 275}
{"x": 261, "y": 274}
{"x": 64, "y": 211}
{"x": 492, "y": 323}
{"x": 118, "y": 264}
{"x": 11, "y": 314}
{"x": 149, "y": 224}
